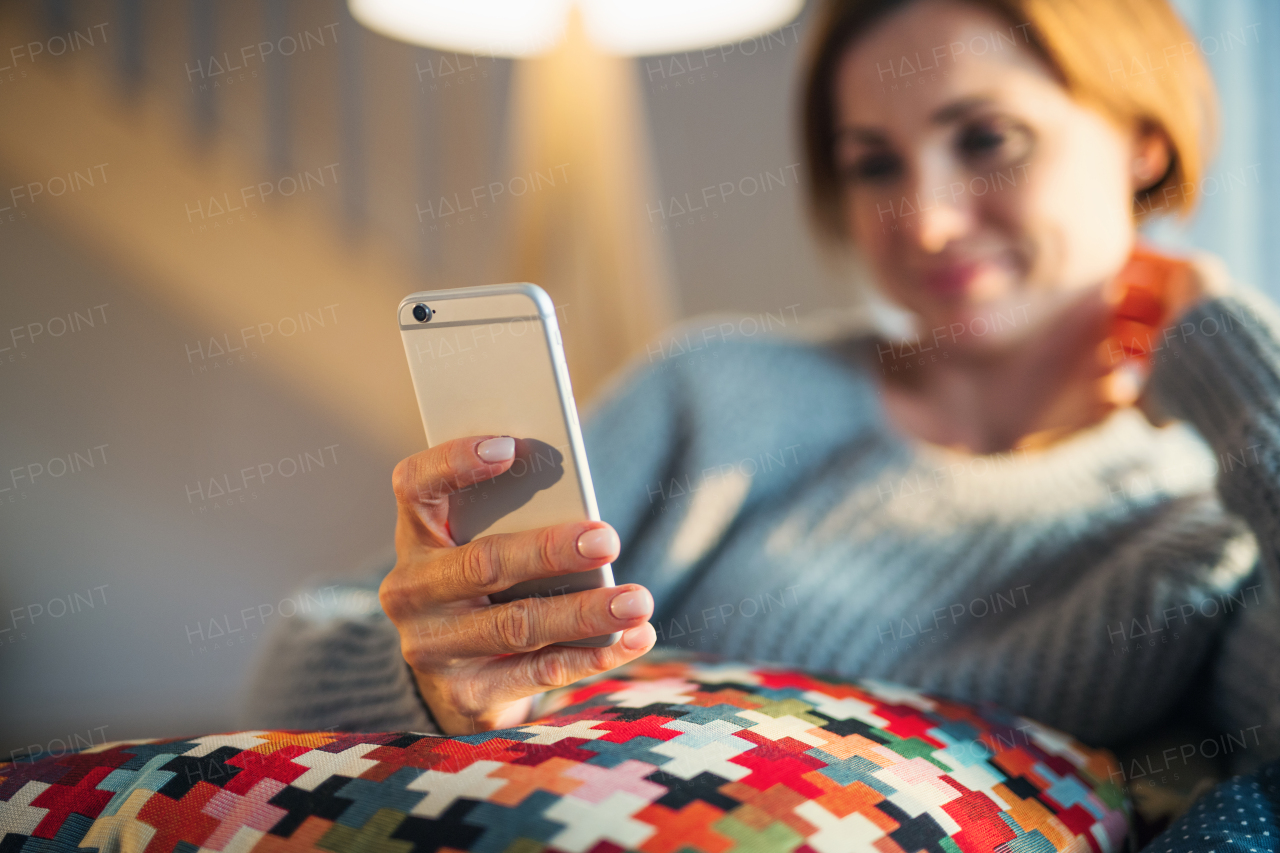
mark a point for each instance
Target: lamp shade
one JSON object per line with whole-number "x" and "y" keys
{"x": 531, "y": 27}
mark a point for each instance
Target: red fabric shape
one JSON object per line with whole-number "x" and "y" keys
{"x": 62, "y": 800}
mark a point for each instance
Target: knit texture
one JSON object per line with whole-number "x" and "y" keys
{"x": 1097, "y": 585}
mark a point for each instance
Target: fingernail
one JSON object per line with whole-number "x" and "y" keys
{"x": 638, "y": 637}
{"x": 1125, "y": 383}
{"x": 629, "y": 605}
{"x": 497, "y": 449}
{"x": 598, "y": 543}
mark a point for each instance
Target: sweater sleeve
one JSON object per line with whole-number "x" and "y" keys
{"x": 335, "y": 666}
{"x": 1219, "y": 370}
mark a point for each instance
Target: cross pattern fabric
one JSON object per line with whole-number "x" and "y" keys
{"x": 659, "y": 757}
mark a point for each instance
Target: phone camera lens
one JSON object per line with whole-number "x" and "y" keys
{"x": 421, "y": 313}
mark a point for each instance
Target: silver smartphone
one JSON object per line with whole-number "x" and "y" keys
{"x": 489, "y": 361}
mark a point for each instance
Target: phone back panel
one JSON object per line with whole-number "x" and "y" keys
{"x": 490, "y": 361}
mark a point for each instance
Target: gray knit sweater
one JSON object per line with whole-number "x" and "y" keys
{"x": 1098, "y": 585}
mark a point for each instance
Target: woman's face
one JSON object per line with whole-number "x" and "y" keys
{"x": 973, "y": 184}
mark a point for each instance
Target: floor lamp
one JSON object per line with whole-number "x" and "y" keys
{"x": 576, "y": 99}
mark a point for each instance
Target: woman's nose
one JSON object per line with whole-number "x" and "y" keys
{"x": 943, "y": 211}
{"x": 939, "y": 226}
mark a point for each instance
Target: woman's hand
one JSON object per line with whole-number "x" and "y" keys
{"x": 1150, "y": 296}
{"x": 478, "y": 664}
{"x": 1122, "y": 323}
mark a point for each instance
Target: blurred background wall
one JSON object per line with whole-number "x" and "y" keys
{"x": 208, "y": 212}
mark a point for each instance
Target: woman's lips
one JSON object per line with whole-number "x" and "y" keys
{"x": 973, "y": 279}
{"x": 951, "y": 280}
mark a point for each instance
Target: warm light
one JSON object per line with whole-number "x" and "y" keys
{"x": 668, "y": 26}
{"x": 489, "y": 27}
{"x": 529, "y": 27}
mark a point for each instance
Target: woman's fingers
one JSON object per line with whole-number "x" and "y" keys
{"x": 422, "y": 482}
{"x": 1123, "y": 385}
{"x": 529, "y": 624}
{"x": 496, "y": 694}
{"x": 450, "y": 466}
{"x": 493, "y": 563}
{"x": 559, "y": 666}
{"x": 499, "y": 561}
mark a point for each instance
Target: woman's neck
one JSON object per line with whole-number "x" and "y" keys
{"x": 1028, "y": 393}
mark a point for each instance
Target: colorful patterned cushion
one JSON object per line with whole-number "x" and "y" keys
{"x": 661, "y": 757}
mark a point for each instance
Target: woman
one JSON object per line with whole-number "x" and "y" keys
{"x": 985, "y": 508}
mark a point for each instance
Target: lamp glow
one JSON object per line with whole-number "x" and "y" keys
{"x": 633, "y": 28}
{"x": 531, "y": 27}
{"x": 485, "y": 27}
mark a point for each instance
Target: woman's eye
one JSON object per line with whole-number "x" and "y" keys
{"x": 980, "y": 140}
{"x": 997, "y": 142}
{"x": 872, "y": 168}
